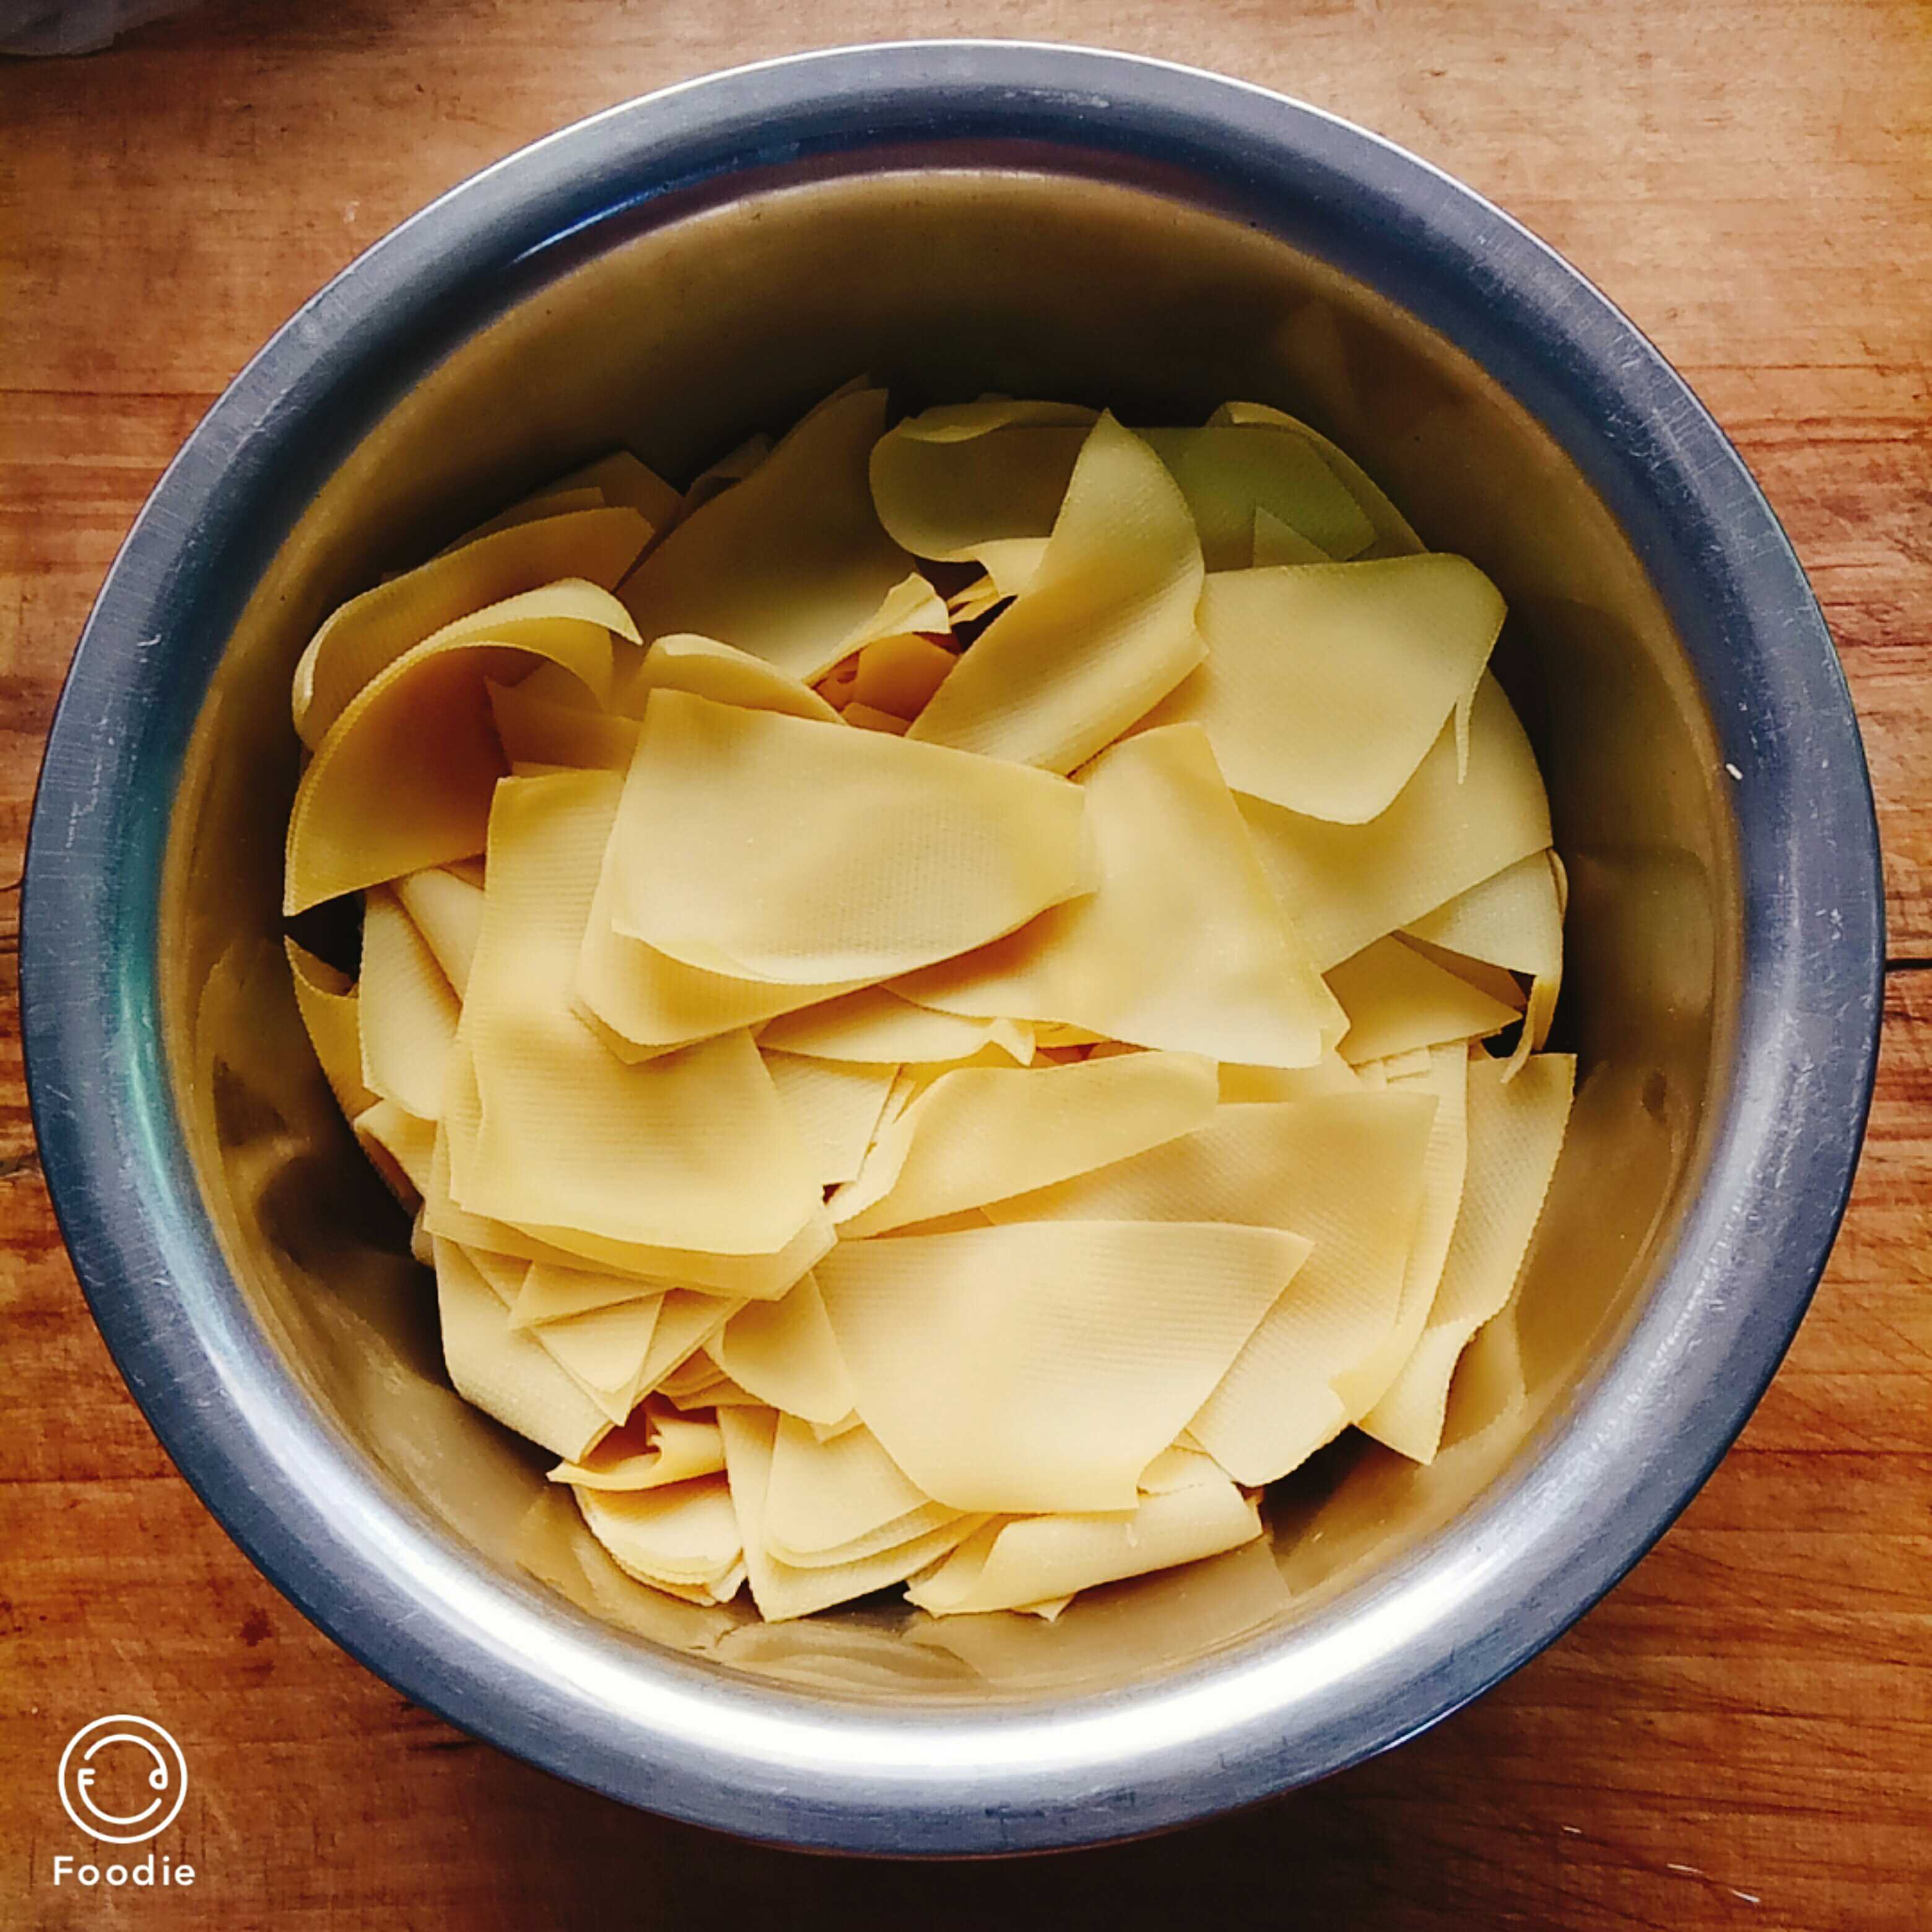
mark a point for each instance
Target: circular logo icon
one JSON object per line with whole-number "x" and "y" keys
{"x": 122, "y": 1779}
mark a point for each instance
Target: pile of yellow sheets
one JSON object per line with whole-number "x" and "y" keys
{"x": 927, "y": 994}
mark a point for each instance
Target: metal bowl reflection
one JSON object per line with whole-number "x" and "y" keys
{"x": 954, "y": 217}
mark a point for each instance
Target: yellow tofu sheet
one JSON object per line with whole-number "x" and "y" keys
{"x": 1104, "y": 629}
{"x": 807, "y": 854}
{"x": 1043, "y": 1366}
{"x": 326, "y": 999}
{"x": 566, "y": 566}
{"x": 656, "y": 1447}
{"x": 1344, "y": 885}
{"x": 691, "y": 1150}
{"x": 1324, "y": 684}
{"x": 1183, "y": 945}
{"x": 1515, "y": 1130}
{"x": 788, "y": 562}
{"x": 984, "y": 1133}
{"x": 781, "y": 1590}
{"x": 785, "y": 1354}
{"x": 1345, "y": 1173}
{"x": 1027, "y": 1562}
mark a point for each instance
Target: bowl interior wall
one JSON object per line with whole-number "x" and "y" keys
{"x": 678, "y": 338}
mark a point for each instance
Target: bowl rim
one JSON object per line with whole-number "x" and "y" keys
{"x": 1451, "y": 1618}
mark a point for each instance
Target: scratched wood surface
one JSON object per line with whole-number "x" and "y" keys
{"x": 1742, "y": 1734}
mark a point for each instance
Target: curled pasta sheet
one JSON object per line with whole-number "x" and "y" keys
{"x": 684, "y": 1536}
{"x": 503, "y": 1371}
{"x": 875, "y": 1026}
{"x": 727, "y": 676}
{"x": 404, "y": 779}
{"x": 1345, "y": 1172}
{"x": 399, "y": 1146}
{"x": 784, "y": 1355}
{"x": 586, "y": 550}
{"x": 1392, "y": 534}
{"x": 984, "y": 1133}
{"x": 979, "y": 481}
{"x": 912, "y": 1082}
{"x": 535, "y": 730}
{"x": 1345, "y": 885}
{"x": 692, "y": 1150}
{"x": 842, "y": 1500}
{"x": 561, "y": 623}
{"x": 552, "y": 1542}
{"x": 864, "y": 718}
{"x": 1325, "y": 685}
{"x": 1043, "y": 1365}
{"x": 1036, "y": 1562}
{"x": 1231, "y": 473}
{"x": 644, "y": 1002}
{"x": 1104, "y": 630}
{"x": 407, "y": 1009}
{"x": 553, "y": 500}
{"x": 1396, "y": 1000}
{"x": 326, "y": 1000}
{"x": 984, "y": 481}
{"x": 808, "y": 854}
{"x": 657, "y": 1446}
{"x": 791, "y": 561}
{"x": 1491, "y": 1391}
{"x": 782, "y": 1590}
{"x": 1183, "y": 946}
{"x": 448, "y": 910}
{"x": 1516, "y": 1130}
{"x": 899, "y": 675}
{"x": 1512, "y": 920}
{"x": 1444, "y": 1164}
{"x": 1014, "y": 566}
{"x": 910, "y": 608}
{"x": 835, "y": 1107}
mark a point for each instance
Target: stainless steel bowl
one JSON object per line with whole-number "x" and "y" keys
{"x": 956, "y": 217}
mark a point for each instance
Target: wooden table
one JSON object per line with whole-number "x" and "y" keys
{"x": 1742, "y": 1734}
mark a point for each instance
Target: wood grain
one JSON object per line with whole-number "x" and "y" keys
{"x": 1742, "y": 1734}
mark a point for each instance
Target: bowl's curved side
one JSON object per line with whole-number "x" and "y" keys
{"x": 1454, "y": 1616}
